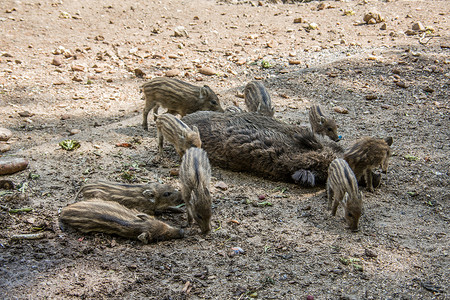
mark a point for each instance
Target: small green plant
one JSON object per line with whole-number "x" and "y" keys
{"x": 265, "y": 64}
{"x": 69, "y": 145}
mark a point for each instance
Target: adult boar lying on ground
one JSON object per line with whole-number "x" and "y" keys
{"x": 261, "y": 145}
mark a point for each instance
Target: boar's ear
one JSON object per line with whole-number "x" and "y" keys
{"x": 389, "y": 140}
{"x": 143, "y": 237}
{"x": 143, "y": 217}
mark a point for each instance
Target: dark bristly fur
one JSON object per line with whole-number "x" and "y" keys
{"x": 177, "y": 133}
{"x": 366, "y": 154}
{"x": 257, "y": 99}
{"x": 342, "y": 187}
{"x": 195, "y": 176}
{"x": 321, "y": 123}
{"x": 96, "y": 215}
{"x": 261, "y": 145}
{"x": 178, "y": 97}
{"x": 148, "y": 198}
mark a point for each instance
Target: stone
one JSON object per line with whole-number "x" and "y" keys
{"x": 26, "y": 114}
{"x": 74, "y": 131}
{"x": 5, "y": 134}
{"x": 207, "y": 71}
{"x": 180, "y": 31}
{"x": 418, "y": 27}
{"x": 340, "y": 109}
{"x": 172, "y": 73}
{"x": 221, "y": 185}
{"x": 4, "y": 147}
{"x": 78, "y": 68}
{"x": 57, "y": 61}
{"x": 294, "y": 62}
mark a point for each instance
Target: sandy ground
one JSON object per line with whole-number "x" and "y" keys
{"x": 77, "y": 66}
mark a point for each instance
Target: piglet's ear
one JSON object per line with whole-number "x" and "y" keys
{"x": 345, "y": 199}
{"x": 143, "y": 217}
{"x": 195, "y": 129}
{"x": 389, "y": 140}
{"x": 143, "y": 237}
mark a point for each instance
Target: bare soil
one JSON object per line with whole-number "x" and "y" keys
{"x": 293, "y": 248}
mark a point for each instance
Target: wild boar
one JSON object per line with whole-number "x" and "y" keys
{"x": 178, "y": 97}
{"x": 148, "y": 198}
{"x": 342, "y": 187}
{"x": 257, "y": 99}
{"x": 96, "y": 215}
{"x": 195, "y": 177}
{"x": 177, "y": 133}
{"x": 253, "y": 143}
{"x": 366, "y": 154}
{"x": 322, "y": 124}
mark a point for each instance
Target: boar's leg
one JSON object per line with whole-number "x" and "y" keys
{"x": 186, "y": 194}
{"x": 148, "y": 107}
{"x": 329, "y": 196}
{"x": 368, "y": 179}
{"x": 337, "y": 199}
{"x": 160, "y": 141}
{"x": 304, "y": 177}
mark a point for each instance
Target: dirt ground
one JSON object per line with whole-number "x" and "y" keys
{"x": 77, "y": 66}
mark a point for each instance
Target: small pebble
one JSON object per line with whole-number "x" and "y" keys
{"x": 340, "y": 109}
{"x": 172, "y": 73}
{"x": 5, "y": 134}
{"x": 261, "y": 197}
{"x": 221, "y": 185}
{"x": 174, "y": 172}
{"x": 207, "y": 71}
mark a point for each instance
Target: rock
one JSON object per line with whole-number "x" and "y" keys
{"x": 313, "y": 26}
{"x": 65, "y": 117}
{"x": 321, "y": 6}
{"x": 410, "y": 32}
{"x": 4, "y": 147}
{"x": 298, "y": 20}
{"x": 139, "y": 73}
{"x": 428, "y": 89}
{"x": 262, "y": 197}
{"x": 207, "y": 71}
{"x": 294, "y": 62}
{"x": 172, "y": 73}
{"x": 26, "y": 114}
{"x": 369, "y": 253}
{"x": 401, "y": 84}
{"x": 372, "y": 15}
{"x": 418, "y": 27}
{"x": 57, "y": 61}
{"x": 221, "y": 185}
{"x": 371, "y": 97}
{"x": 340, "y": 109}
{"x": 174, "y": 172}
{"x": 12, "y": 165}
{"x": 383, "y": 26}
{"x": 77, "y": 79}
{"x": 372, "y": 21}
{"x": 5, "y": 134}
{"x": 180, "y": 31}
{"x": 74, "y": 131}
{"x": 78, "y": 68}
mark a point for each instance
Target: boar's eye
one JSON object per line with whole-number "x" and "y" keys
{"x": 330, "y": 129}
{"x": 350, "y": 215}
{"x": 213, "y": 102}
{"x": 167, "y": 194}
{"x": 199, "y": 217}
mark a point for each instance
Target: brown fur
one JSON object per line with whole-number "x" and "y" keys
{"x": 342, "y": 187}
{"x": 148, "y": 198}
{"x": 195, "y": 176}
{"x": 96, "y": 215}
{"x": 177, "y": 133}
{"x": 257, "y": 99}
{"x": 322, "y": 123}
{"x": 178, "y": 97}
{"x": 261, "y": 145}
{"x": 366, "y": 154}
